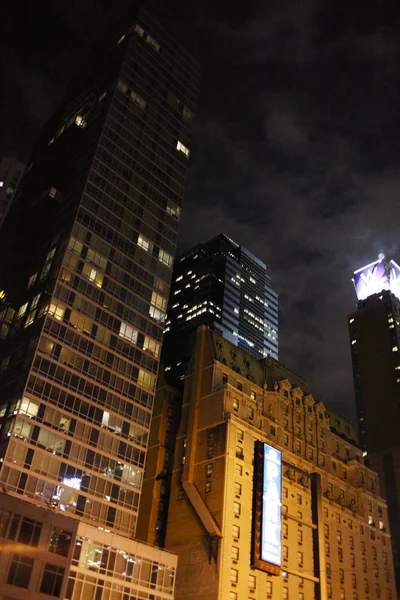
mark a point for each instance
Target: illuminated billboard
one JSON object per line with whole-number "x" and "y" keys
{"x": 370, "y": 280}
{"x": 394, "y": 278}
{"x": 267, "y": 509}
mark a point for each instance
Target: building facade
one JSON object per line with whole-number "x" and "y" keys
{"x": 374, "y": 330}
{"x": 224, "y": 286}
{"x": 334, "y": 540}
{"x": 90, "y": 242}
{"x": 11, "y": 171}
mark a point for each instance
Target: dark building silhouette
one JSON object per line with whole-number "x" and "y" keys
{"x": 375, "y": 351}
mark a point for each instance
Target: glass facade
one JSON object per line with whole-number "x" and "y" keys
{"x": 91, "y": 241}
{"x": 226, "y": 287}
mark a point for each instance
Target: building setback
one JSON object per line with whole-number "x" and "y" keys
{"x": 334, "y": 536}
{"x": 10, "y": 175}
{"x": 90, "y": 241}
{"x": 222, "y": 285}
{"x": 374, "y": 330}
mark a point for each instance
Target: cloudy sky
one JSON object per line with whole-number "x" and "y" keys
{"x": 296, "y": 149}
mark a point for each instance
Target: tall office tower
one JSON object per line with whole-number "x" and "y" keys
{"x": 10, "y": 175}
{"x": 270, "y": 497}
{"x": 224, "y": 286}
{"x": 375, "y": 351}
{"x": 90, "y": 242}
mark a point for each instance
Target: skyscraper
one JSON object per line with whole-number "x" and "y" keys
{"x": 222, "y": 285}
{"x": 90, "y": 242}
{"x": 375, "y": 351}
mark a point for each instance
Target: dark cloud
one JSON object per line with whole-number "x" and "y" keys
{"x": 295, "y": 154}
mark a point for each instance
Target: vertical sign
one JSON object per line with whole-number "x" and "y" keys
{"x": 267, "y": 509}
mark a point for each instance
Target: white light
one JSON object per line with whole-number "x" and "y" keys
{"x": 1, "y": 183}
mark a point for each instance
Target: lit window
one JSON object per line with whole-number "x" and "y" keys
{"x": 122, "y": 86}
{"x": 236, "y": 508}
{"x": 252, "y": 582}
{"x": 144, "y": 243}
{"x": 138, "y": 100}
{"x": 22, "y": 310}
{"x": 173, "y": 209}
{"x": 236, "y": 531}
{"x": 394, "y": 349}
{"x": 151, "y": 346}
{"x": 234, "y": 576}
{"x": 208, "y": 487}
{"x": 182, "y": 148}
{"x": 121, "y": 39}
{"x": 128, "y": 332}
{"x": 235, "y": 553}
{"x": 238, "y": 469}
{"x": 53, "y": 192}
{"x": 30, "y": 318}
{"x": 139, "y": 30}
{"x": 165, "y": 257}
{"x": 269, "y": 587}
{"x": 1, "y": 183}
{"x": 238, "y": 488}
{"x": 146, "y": 379}
{"x": 57, "y": 311}
{"x": 80, "y": 121}
{"x": 150, "y": 40}
{"x": 32, "y": 280}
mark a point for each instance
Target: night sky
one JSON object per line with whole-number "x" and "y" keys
{"x": 296, "y": 149}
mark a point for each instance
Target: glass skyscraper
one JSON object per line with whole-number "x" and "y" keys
{"x": 87, "y": 249}
{"x": 223, "y": 285}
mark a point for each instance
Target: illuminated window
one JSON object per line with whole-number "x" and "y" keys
{"x": 252, "y": 582}
{"x": 53, "y": 192}
{"x": 57, "y": 311}
{"x": 139, "y": 30}
{"x": 122, "y": 86}
{"x": 394, "y": 349}
{"x": 146, "y": 379}
{"x": 234, "y": 577}
{"x": 235, "y": 553}
{"x": 150, "y": 40}
{"x": 285, "y": 593}
{"x": 151, "y": 346}
{"x": 32, "y": 280}
{"x": 238, "y": 469}
{"x": 236, "y": 531}
{"x": 238, "y": 488}
{"x": 235, "y": 404}
{"x": 30, "y": 318}
{"x": 209, "y": 469}
{"x": 236, "y": 508}
{"x": 144, "y": 243}
{"x": 233, "y": 596}
{"x": 173, "y": 209}
{"x": 165, "y": 258}
{"x": 80, "y": 121}
{"x": 121, "y": 39}
{"x": 182, "y": 148}
{"x": 208, "y": 487}
{"x": 128, "y": 332}
{"x": 138, "y": 100}
{"x": 285, "y": 552}
{"x": 22, "y": 310}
